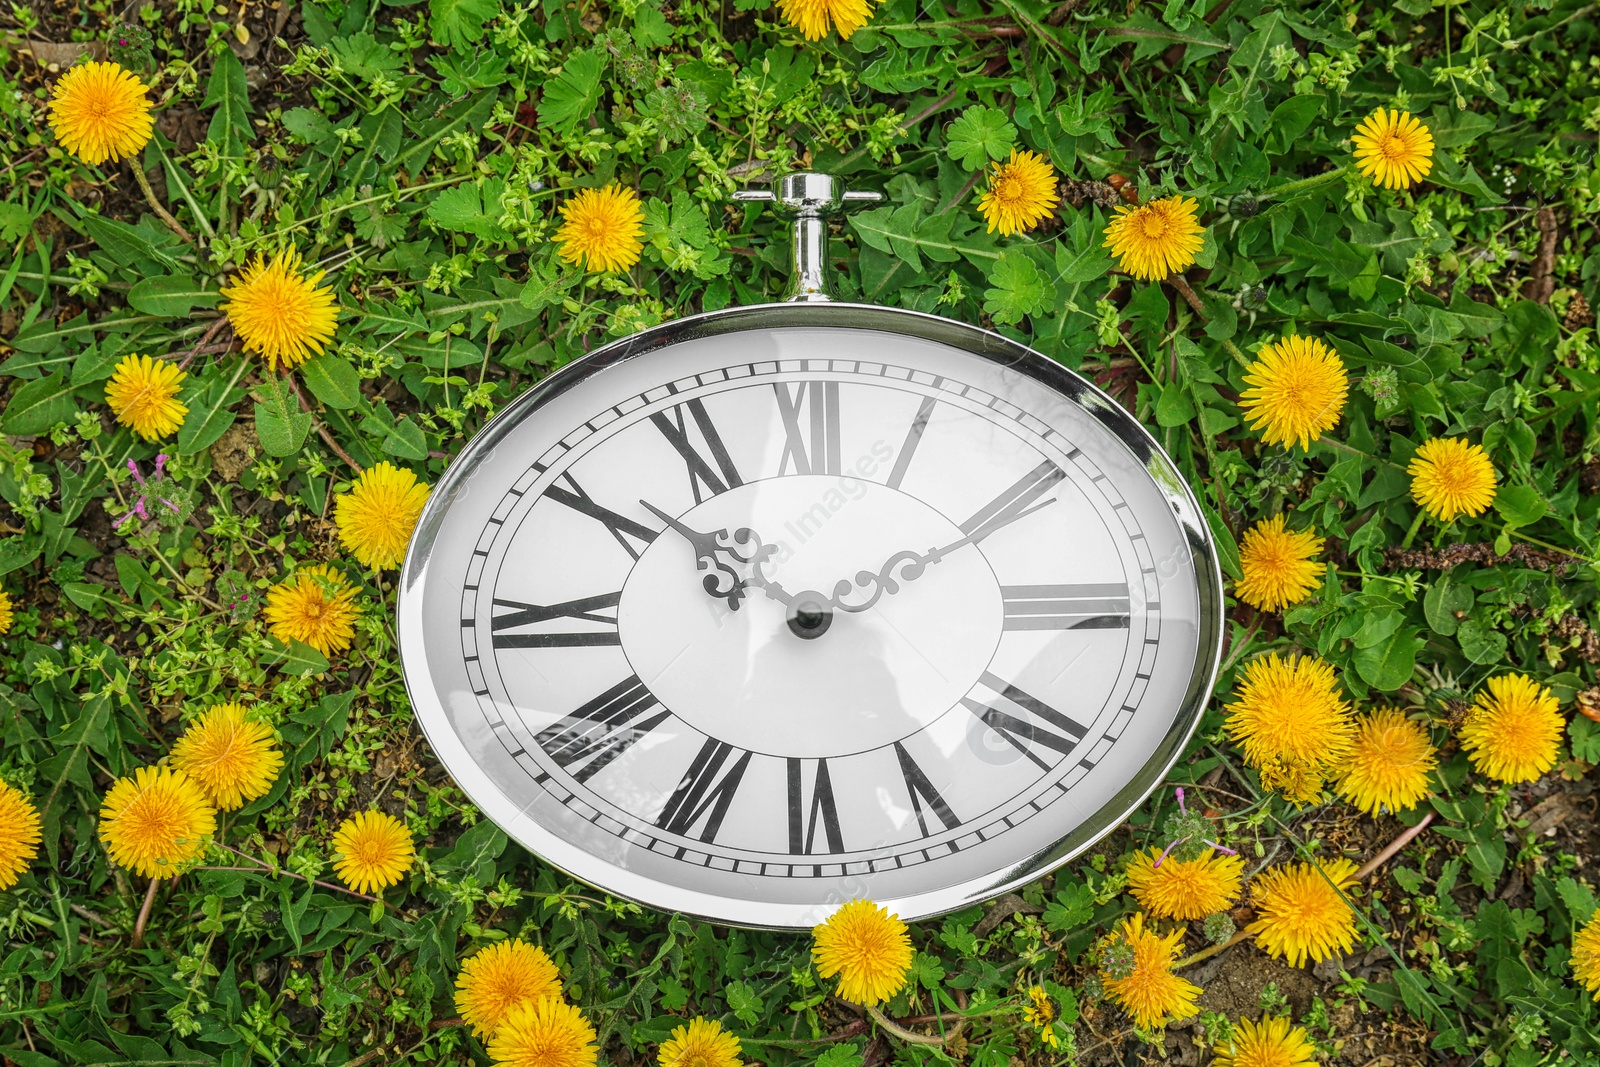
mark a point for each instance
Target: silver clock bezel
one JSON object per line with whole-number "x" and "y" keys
{"x": 563, "y": 855}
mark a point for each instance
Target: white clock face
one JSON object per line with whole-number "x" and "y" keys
{"x": 767, "y": 619}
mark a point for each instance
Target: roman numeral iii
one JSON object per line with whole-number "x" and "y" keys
{"x": 1066, "y": 607}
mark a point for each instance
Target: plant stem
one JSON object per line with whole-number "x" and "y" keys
{"x": 901, "y": 1032}
{"x": 1306, "y": 183}
{"x": 155, "y": 205}
{"x": 1416, "y": 524}
{"x": 1394, "y": 846}
{"x": 1208, "y": 952}
{"x": 144, "y": 913}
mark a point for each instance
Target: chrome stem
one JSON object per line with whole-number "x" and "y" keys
{"x": 809, "y": 199}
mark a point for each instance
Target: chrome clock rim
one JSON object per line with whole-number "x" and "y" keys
{"x": 621, "y": 882}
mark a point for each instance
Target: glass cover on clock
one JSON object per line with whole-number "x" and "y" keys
{"x": 755, "y": 615}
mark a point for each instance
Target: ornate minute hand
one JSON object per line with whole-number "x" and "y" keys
{"x": 743, "y": 545}
{"x": 912, "y": 565}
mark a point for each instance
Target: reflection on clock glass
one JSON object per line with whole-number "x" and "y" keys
{"x": 764, "y": 621}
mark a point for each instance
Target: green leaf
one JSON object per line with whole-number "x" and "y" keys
{"x": 458, "y": 23}
{"x": 1585, "y": 735}
{"x": 170, "y": 295}
{"x": 1520, "y": 505}
{"x": 744, "y": 1002}
{"x": 847, "y": 1054}
{"x": 69, "y": 765}
{"x": 470, "y": 208}
{"x": 17, "y": 551}
{"x": 210, "y": 401}
{"x": 364, "y": 55}
{"x": 1072, "y": 907}
{"x": 979, "y": 135}
{"x": 39, "y": 405}
{"x": 227, "y": 91}
{"x": 1480, "y": 642}
{"x": 574, "y": 93}
{"x": 280, "y": 424}
{"x": 1176, "y": 406}
{"x": 468, "y": 114}
{"x": 1088, "y": 264}
{"x": 406, "y": 441}
{"x": 546, "y": 284}
{"x": 1019, "y": 288}
{"x": 1387, "y": 664}
{"x": 132, "y": 246}
{"x": 301, "y": 659}
{"x": 1444, "y": 602}
{"x": 333, "y": 380}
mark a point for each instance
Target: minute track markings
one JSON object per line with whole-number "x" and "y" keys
{"x": 917, "y": 384}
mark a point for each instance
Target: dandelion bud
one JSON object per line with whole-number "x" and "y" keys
{"x": 1382, "y": 385}
{"x": 1219, "y": 927}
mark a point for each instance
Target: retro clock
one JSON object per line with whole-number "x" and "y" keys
{"x": 766, "y": 609}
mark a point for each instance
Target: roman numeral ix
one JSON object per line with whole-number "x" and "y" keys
{"x": 588, "y": 610}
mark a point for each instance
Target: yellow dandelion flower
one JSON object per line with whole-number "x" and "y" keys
{"x": 1269, "y": 1043}
{"x": 1150, "y": 992}
{"x": 19, "y": 834}
{"x": 1586, "y": 956}
{"x": 99, "y": 111}
{"x": 279, "y": 312}
{"x": 1155, "y": 239}
{"x": 1393, "y": 148}
{"x": 1021, "y": 191}
{"x": 601, "y": 227}
{"x": 1302, "y": 915}
{"x": 1288, "y": 717}
{"x": 314, "y": 605}
{"x": 703, "y": 1043}
{"x": 1451, "y": 477}
{"x": 379, "y": 512}
{"x": 1042, "y": 1014}
{"x": 7, "y": 614}
{"x": 1297, "y": 389}
{"x": 549, "y": 1033}
{"x": 143, "y": 395}
{"x": 500, "y": 978}
{"x": 1277, "y": 565}
{"x": 1514, "y": 730}
{"x": 231, "y": 757}
{"x": 869, "y": 949}
{"x": 1388, "y": 763}
{"x": 812, "y": 17}
{"x": 372, "y": 850}
{"x": 1185, "y": 889}
{"x": 156, "y": 821}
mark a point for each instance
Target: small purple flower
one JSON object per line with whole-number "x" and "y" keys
{"x": 146, "y": 491}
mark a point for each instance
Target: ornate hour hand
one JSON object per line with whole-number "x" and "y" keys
{"x": 742, "y": 546}
{"x": 912, "y": 565}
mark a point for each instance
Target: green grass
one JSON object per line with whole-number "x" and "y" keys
{"x": 417, "y": 153}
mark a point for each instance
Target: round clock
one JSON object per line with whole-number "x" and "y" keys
{"x": 771, "y": 608}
